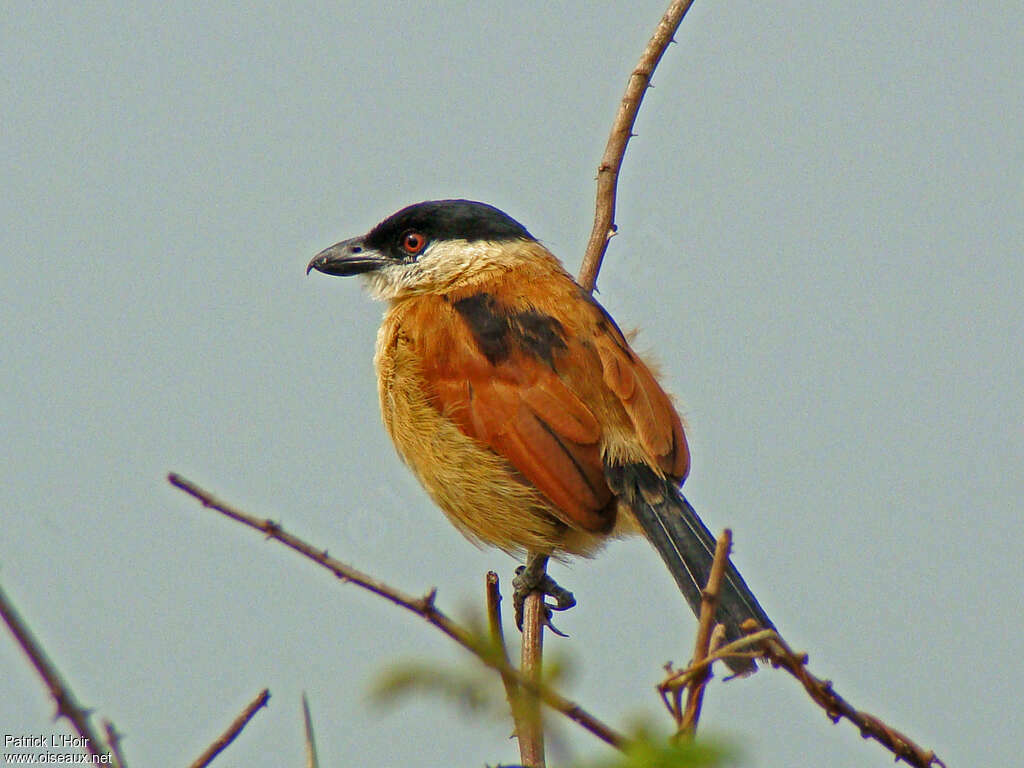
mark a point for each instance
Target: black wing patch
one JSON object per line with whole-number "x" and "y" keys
{"x": 500, "y": 330}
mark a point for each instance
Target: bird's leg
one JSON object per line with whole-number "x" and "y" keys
{"x": 533, "y": 577}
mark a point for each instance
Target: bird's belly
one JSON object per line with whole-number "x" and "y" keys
{"x": 479, "y": 491}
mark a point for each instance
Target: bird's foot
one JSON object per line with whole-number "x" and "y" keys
{"x": 533, "y": 577}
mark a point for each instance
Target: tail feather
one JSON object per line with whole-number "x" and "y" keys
{"x": 687, "y": 548}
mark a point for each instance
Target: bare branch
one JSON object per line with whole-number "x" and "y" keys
{"x": 233, "y": 730}
{"x": 312, "y": 761}
{"x": 114, "y": 742}
{"x": 67, "y": 704}
{"x": 531, "y": 743}
{"x": 423, "y": 607}
{"x": 512, "y": 692}
{"x": 769, "y": 646}
{"x": 622, "y": 129}
{"x": 708, "y": 608}
{"x": 779, "y": 654}
{"x": 678, "y": 680}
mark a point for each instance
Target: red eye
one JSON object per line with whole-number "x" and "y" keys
{"x": 413, "y": 242}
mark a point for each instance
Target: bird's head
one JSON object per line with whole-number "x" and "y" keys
{"x": 430, "y": 247}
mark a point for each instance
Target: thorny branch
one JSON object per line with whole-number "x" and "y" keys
{"x": 512, "y": 692}
{"x": 494, "y": 625}
{"x": 422, "y": 606}
{"x": 114, "y": 742}
{"x": 531, "y": 739}
{"x": 67, "y": 704}
{"x": 774, "y": 649}
{"x": 708, "y": 607}
{"x": 622, "y": 130}
{"x": 233, "y": 730}
{"x": 767, "y": 645}
{"x": 779, "y": 654}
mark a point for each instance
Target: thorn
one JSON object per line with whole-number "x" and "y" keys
{"x": 428, "y": 600}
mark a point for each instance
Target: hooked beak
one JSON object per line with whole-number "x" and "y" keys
{"x": 349, "y": 257}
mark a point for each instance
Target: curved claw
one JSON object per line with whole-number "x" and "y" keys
{"x": 547, "y": 622}
{"x": 530, "y": 578}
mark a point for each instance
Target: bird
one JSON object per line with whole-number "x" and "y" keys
{"x": 521, "y": 407}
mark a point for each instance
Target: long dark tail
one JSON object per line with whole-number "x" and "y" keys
{"x": 687, "y": 547}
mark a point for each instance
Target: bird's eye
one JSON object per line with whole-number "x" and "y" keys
{"x": 413, "y": 242}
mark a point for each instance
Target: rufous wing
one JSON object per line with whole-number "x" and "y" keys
{"x": 656, "y": 421}
{"x": 533, "y": 420}
{"x": 536, "y": 399}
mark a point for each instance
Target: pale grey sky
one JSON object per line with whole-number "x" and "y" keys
{"x": 822, "y": 221}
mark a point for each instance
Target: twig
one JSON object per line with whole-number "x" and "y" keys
{"x": 233, "y": 730}
{"x": 423, "y": 607}
{"x": 622, "y": 129}
{"x": 67, "y": 704}
{"x": 678, "y": 680}
{"x": 531, "y": 743}
{"x": 772, "y": 648}
{"x": 708, "y": 608}
{"x": 114, "y": 742}
{"x": 512, "y": 693}
{"x": 312, "y": 761}
{"x": 779, "y": 654}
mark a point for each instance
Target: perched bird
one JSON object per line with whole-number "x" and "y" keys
{"x": 519, "y": 404}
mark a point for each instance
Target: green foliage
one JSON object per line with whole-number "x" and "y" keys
{"x": 655, "y": 751}
{"x": 476, "y": 690}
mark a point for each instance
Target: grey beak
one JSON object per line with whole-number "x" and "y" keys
{"x": 349, "y": 257}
